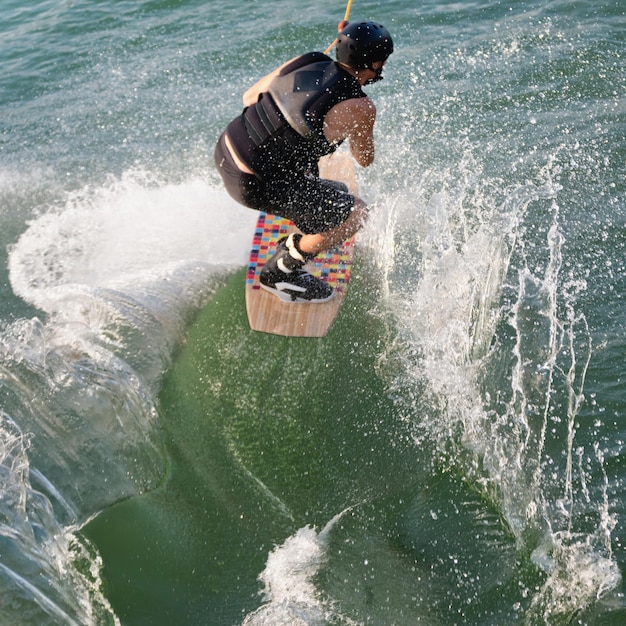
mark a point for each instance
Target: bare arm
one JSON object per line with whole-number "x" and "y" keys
{"x": 353, "y": 120}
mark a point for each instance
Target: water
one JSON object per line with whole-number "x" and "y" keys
{"x": 452, "y": 452}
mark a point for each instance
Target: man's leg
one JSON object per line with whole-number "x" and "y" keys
{"x": 284, "y": 275}
{"x": 314, "y": 244}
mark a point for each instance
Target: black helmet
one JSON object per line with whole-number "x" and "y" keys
{"x": 360, "y": 44}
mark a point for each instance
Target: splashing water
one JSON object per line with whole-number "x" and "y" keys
{"x": 504, "y": 368}
{"x": 290, "y": 595}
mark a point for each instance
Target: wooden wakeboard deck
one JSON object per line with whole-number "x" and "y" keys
{"x": 266, "y": 312}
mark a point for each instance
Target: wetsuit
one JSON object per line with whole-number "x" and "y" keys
{"x": 281, "y": 138}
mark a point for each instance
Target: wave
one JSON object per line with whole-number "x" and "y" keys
{"x": 118, "y": 272}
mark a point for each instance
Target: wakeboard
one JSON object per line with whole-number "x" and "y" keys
{"x": 268, "y": 313}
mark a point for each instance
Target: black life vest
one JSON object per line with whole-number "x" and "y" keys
{"x": 284, "y": 129}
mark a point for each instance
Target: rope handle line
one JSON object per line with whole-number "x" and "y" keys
{"x": 345, "y": 19}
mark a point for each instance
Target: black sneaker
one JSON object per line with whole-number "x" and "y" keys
{"x": 283, "y": 276}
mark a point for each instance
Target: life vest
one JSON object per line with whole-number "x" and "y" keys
{"x": 285, "y": 128}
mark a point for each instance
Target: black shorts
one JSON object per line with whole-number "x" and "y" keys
{"x": 313, "y": 204}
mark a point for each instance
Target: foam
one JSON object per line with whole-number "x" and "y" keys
{"x": 134, "y": 228}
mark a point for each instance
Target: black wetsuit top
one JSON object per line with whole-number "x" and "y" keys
{"x": 283, "y": 132}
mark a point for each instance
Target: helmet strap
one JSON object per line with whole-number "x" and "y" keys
{"x": 379, "y": 75}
